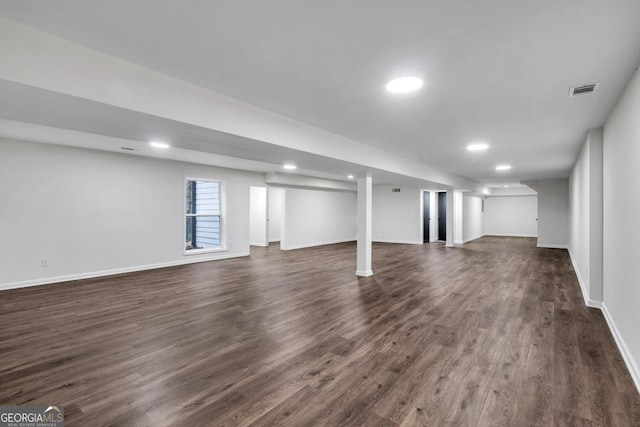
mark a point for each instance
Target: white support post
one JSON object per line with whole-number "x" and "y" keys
{"x": 365, "y": 193}
{"x": 450, "y": 218}
{"x": 458, "y": 224}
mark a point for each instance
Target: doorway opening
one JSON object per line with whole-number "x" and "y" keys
{"x": 426, "y": 215}
{"x": 442, "y": 216}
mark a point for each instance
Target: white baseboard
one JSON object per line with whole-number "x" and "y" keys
{"x": 366, "y": 273}
{"x": 103, "y": 273}
{"x": 583, "y": 286}
{"x": 399, "y": 242}
{"x": 552, "y": 246}
{"x": 310, "y": 245}
{"x": 458, "y": 242}
{"x": 511, "y": 235}
{"x": 472, "y": 238}
{"x": 622, "y": 346}
{"x": 261, "y": 244}
{"x": 274, "y": 240}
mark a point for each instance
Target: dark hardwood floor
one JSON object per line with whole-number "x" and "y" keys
{"x": 494, "y": 333}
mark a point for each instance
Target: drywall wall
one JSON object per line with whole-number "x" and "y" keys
{"x": 511, "y": 216}
{"x": 457, "y": 217}
{"x": 472, "y": 218}
{"x": 397, "y": 216}
{"x": 579, "y": 218}
{"x": 275, "y": 196}
{"x": 316, "y": 217}
{"x": 514, "y": 190}
{"x": 433, "y": 224}
{"x": 553, "y": 213}
{"x": 258, "y": 216}
{"x": 585, "y": 218}
{"x": 92, "y": 212}
{"x": 621, "y": 232}
{"x": 596, "y": 288}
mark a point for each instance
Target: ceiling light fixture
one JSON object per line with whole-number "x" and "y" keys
{"x": 404, "y": 84}
{"x": 503, "y": 167}
{"x": 159, "y": 144}
{"x": 480, "y": 146}
{"x": 350, "y": 177}
{"x": 506, "y": 186}
{"x": 289, "y": 167}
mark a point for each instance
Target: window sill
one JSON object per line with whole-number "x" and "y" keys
{"x": 203, "y": 251}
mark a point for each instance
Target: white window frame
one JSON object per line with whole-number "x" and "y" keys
{"x": 223, "y": 218}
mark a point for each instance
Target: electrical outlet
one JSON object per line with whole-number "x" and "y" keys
{"x": 230, "y": 244}
{"x": 44, "y": 262}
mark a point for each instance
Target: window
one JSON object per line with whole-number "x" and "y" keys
{"x": 203, "y": 216}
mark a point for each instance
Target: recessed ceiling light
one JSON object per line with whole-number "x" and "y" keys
{"x": 506, "y": 186}
{"x": 503, "y": 167}
{"x": 289, "y": 167}
{"x": 404, "y": 84}
{"x": 159, "y": 144}
{"x": 479, "y": 146}
{"x": 350, "y": 177}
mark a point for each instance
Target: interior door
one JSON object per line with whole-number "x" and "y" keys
{"x": 426, "y": 216}
{"x": 442, "y": 216}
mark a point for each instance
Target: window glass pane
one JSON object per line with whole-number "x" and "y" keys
{"x": 203, "y": 232}
{"x": 203, "y": 198}
{"x": 203, "y": 215}
{"x": 207, "y": 198}
{"x": 190, "y": 192}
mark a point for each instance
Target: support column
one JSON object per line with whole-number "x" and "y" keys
{"x": 450, "y": 217}
{"x": 365, "y": 193}
{"x": 458, "y": 223}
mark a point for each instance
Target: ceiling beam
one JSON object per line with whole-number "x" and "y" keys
{"x": 35, "y": 58}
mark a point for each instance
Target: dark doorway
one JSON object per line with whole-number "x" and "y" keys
{"x": 426, "y": 216}
{"x": 442, "y": 216}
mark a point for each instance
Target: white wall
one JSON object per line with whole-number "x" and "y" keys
{"x": 511, "y": 216}
{"x": 524, "y": 190}
{"x": 315, "y": 217}
{"x": 433, "y": 207}
{"x": 275, "y": 196}
{"x": 92, "y": 212}
{"x": 258, "y": 216}
{"x": 397, "y": 216}
{"x": 457, "y": 217}
{"x": 579, "y": 217}
{"x": 621, "y": 232}
{"x": 585, "y": 213}
{"x": 472, "y": 218}
{"x": 553, "y": 213}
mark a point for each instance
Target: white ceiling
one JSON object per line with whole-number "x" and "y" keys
{"x": 497, "y": 70}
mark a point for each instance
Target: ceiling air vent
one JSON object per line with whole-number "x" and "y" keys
{"x": 395, "y": 190}
{"x": 583, "y": 90}
{"x": 127, "y": 149}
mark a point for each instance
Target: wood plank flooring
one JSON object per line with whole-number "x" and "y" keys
{"x": 494, "y": 333}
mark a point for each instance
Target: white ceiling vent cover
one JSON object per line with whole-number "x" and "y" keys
{"x": 583, "y": 90}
